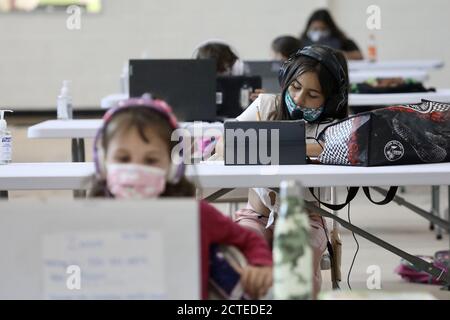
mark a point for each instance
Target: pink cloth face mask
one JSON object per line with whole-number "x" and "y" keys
{"x": 133, "y": 181}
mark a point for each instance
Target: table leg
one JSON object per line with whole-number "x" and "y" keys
{"x": 447, "y": 286}
{"x": 75, "y": 150}
{"x": 435, "y": 208}
{"x": 81, "y": 151}
{"x": 216, "y": 195}
{"x": 431, "y": 223}
{"x": 81, "y": 158}
{"x": 336, "y": 243}
{"x": 417, "y": 262}
{"x": 78, "y": 155}
{"x": 443, "y": 224}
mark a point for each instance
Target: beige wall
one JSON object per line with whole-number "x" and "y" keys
{"x": 410, "y": 29}
{"x": 37, "y": 51}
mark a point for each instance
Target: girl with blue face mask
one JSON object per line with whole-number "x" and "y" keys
{"x": 313, "y": 89}
{"x": 305, "y": 95}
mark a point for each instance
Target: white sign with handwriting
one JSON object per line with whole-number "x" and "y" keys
{"x": 104, "y": 265}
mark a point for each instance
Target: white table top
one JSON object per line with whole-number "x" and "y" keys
{"x": 46, "y": 176}
{"x": 68, "y": 129}
{"x": 395, "y": 64}
{"x": 78, "y": 176}
{"x": 357, "y": 76}
{"x": 64, "y": 129}
{"x": 216, "y": 175}
{"x": 112, "y": 100}
{"x": 441, "y": 95}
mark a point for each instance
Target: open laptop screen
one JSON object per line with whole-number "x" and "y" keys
{"x": 189, "y": 86}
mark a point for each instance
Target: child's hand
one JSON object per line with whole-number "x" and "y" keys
{"x": 256, "y": 280}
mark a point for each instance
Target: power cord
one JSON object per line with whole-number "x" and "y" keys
{"x": 356, "y": 252}
{"x": 329, "y": 245}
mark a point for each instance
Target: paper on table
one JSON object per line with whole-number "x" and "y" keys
{"x": 113, "y": 265}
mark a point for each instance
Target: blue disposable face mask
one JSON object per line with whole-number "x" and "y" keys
{"x": 309, "y": 114}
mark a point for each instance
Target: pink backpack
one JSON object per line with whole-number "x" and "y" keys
{"x": 409, "y": 273}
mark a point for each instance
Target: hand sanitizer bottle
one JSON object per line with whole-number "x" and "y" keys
{"x": 124, "y": 79}
{"x": 5, "y": 140}
{"x": 64, "y": 102}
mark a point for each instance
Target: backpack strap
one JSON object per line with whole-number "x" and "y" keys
{"x": 352, "y": 192}
{"x": 389, "y": 196}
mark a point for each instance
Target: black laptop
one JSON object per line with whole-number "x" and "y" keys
{"x": 233, "y": 94}
{"x": 189, "y": 86}
{"x": 264, "y": 142}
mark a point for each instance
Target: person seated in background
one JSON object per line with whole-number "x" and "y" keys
{"x": 284, "y": 46}
{"x": 227, "y": 59}
{"x": 321, "y": 29}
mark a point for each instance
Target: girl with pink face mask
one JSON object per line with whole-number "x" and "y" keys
{"x": 133, "y": 158}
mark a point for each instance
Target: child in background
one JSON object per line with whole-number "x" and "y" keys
{"x": 134, "y": 161}
{"x": 227, "y": 59}
{"x": 285, "y": 46}
{"x": 322, "y": 30}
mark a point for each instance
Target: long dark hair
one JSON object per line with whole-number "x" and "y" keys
{"x": 140, "y": 118}
{"x": 331, "y": 89}
{"x": 324, "y": 16}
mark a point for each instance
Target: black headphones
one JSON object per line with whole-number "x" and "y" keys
{"x": 326, "y": 56}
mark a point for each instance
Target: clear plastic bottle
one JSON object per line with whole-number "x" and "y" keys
{"x": 372, "y": 49}
{"x": 293, "y": 258}
{"x": 124, "y": 79}
{"x": 5, "y": 140}
{"x": 245, "y": 96}
{"x": 64, "y": 102}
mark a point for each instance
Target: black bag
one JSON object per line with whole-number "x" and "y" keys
{"x": 397, "y": 135}
{"x": 404, "y": 86}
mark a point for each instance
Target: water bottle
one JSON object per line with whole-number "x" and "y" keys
{"x": 64, "y": 102}
{"x": 5, "y": 140}
{"x": 245, "y": 96}
{"x": 372, "y": 49}
{"x": 293, "y": 258}
{"x": 124, "y": 79}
